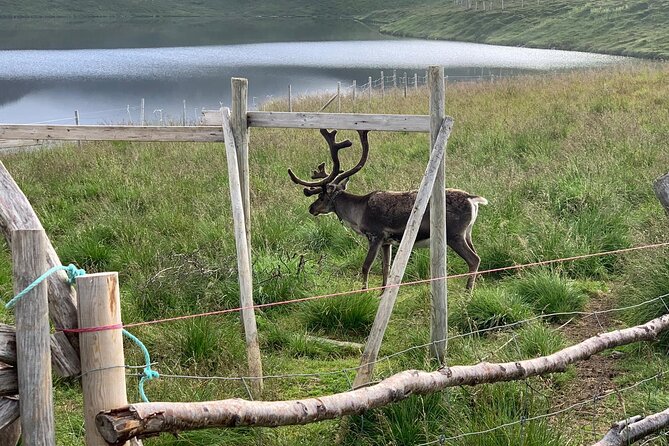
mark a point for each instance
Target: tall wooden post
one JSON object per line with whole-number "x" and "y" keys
{"x": 240, "y": 130}
{"x": 389, "y": 296}
{"x": 383, "y": 86}
{"x": 33, "y": 348}
{"x": 102, "y": 358}
{"x": 369, "y": 82}
{"x": 439, "y": 319}
{"x": 338, "y": 97}
{"x": 243, "y": 258}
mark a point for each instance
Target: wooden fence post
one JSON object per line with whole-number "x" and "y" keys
{"x": 373, "y": 344}
{"x": 439, "y": 319}
{"x": 661, "y": 188}
{"x": 240, "y": 130}
{"x": 243, "y": 259}
{"x": 383, "y": 86}
{"x": 141, "y": 113}
{"x": 33, "y": 346}
{"x": 338, "y": 97}
{"x": 369, "y": 82}
{"x": 102, "y": 358}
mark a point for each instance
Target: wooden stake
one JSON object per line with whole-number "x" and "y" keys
{"x": 33, "y": 349}
{"x": 439, "y": 319}
{"x": 389, "y": 296}
{"x": 102, "y": 359}
{"x": 243, "y": 259}
{"x": 240, "y": 131}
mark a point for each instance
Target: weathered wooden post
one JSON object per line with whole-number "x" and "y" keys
{"x": 183, "y": 114}
{"x": 290, "y": 98}
{"x": 33, "y": 349}
{"x": 76, "y": 122}
{"x": 383, "y": 86}
{"x": 369, "y": 92}
{"x": 373, "y": 344}
{"x": 141, "y": 113}
{"x": 240, "y": 131}
{"x": 406, "y": 84}
{"x": 338, "y": 97}
{"x": 243, "y": 258}
{"x": 102, "y": 358}
{"x": 439, "y": 319}
{"x": 661, "y": 188}
{"x": 415, "y": 81}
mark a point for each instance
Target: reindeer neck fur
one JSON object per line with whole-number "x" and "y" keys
{"x": 350, "y": 209}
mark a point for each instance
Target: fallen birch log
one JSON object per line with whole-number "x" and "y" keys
{"x": 633, "y": 429}
{"x": 147, "y": 419}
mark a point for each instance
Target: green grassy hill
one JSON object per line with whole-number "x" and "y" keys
{"x": 633, "y": 28}
{"x": 566, "y": 163}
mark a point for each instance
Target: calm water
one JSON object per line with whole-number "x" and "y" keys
{"x": 102, "y": 69}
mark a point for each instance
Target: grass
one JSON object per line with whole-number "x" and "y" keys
{"x": 565, "y": 161}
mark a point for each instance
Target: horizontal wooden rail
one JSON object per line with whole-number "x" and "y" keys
{"x": 340, "y": 121}
{"x": 110, "y": 133}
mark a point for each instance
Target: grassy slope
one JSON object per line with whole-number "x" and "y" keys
{"x": 634, "y": 28}
{"x": 565, "y": 162}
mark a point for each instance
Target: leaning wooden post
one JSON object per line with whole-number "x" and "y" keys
{"x": 33, "y": 347}
{"x": 243, "y": 258}
{"x": 389, "y": 296}
{"x": 240, "y": 130}
{"x": 661, "y": 188}
{"x": 102, "y": 358}
{"x": 439, "y": 319}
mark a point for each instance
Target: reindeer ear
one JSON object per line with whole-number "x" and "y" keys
{"x": 343, "y": 183}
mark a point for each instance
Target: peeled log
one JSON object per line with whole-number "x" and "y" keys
{"x": 147, "y": 419}
{"x": 633, "y": 429}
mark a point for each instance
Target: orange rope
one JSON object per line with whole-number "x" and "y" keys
{"x": 347, "y": 293}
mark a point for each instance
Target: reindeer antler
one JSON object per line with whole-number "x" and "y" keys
{"x": 363, "y": 158}
{"x": 335, "y": 147}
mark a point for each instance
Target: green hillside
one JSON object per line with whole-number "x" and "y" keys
{"x": 633, "y": 28}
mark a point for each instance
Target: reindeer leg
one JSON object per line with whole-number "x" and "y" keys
{"x": 374, "y": 246}
{"x": 461, "y": 247}
{"x": 387, "y": 257}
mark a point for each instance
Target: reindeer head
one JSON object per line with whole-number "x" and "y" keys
{"x": 330, "y": 185}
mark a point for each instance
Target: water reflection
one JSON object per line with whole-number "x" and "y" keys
{"x": 106, "y": 85}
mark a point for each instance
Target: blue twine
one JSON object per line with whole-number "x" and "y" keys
{"x": 149, "y": 374}
{"x": 72, "y": 273}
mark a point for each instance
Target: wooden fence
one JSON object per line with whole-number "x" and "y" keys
{"x": 105, "y": 402}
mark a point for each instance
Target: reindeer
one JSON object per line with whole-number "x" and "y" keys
{"x": 381, "y": 216}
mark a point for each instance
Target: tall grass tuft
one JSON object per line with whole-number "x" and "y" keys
{"x": 490, "y": 308}
{"x": 345, "y": 314}
{"x": 547, "y": 292}
{"x": 648, "y": 278}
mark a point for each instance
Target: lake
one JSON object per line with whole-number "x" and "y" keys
{"x": 103, "y": 68}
